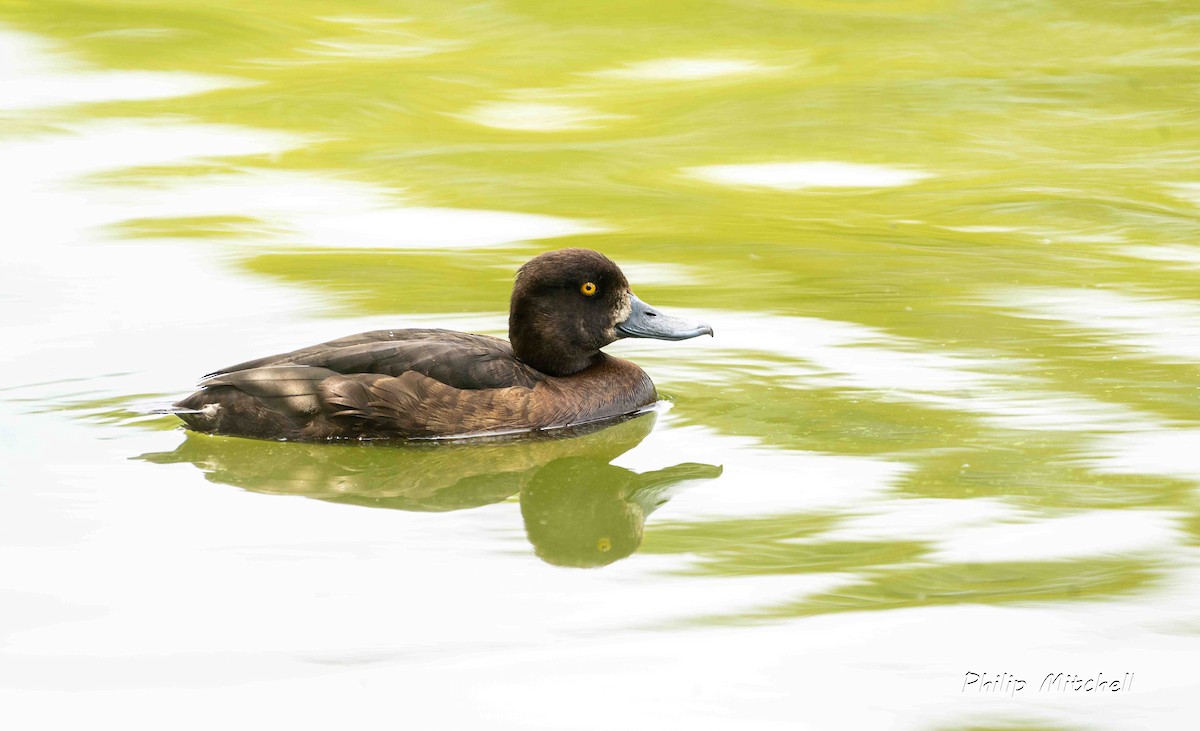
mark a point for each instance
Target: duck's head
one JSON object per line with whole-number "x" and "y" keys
{"x": 568, "y": 304}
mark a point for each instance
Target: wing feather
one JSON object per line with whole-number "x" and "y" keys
{"x": 461, "y": 360}
{"x": 420, "y": 406}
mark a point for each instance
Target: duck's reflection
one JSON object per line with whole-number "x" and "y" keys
{"x": 579, "y": 509}
{"x": 583, "y": 512}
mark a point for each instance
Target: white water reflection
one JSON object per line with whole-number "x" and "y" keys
{"x": 1167, "y": 328}
{"x": 379, "y": 39}
{"x": 35, "y": 74}
{"x": 525, "y": 116}
{"x": 47, "y": 173}
{"x": 1159, "y": 328}
{"x": 803, "y": 175}
{"x": 1095, "y": 533}
{"x": 685, "y": 69}
{"x": 89, "y": 292}
{"x": 1169, "y": 452}
{"x": 1182, "y": 254}
{"x": 1188, "y": 191}
{"x": 769, "y": 481}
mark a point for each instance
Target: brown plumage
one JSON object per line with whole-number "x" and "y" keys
{"x": 423, "y": 383}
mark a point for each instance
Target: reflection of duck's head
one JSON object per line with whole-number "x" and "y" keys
{"x": 410, "y": 476}
{"x": 584, "y": 512}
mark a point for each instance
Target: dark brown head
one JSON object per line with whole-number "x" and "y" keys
{"x": 568, "y": 304}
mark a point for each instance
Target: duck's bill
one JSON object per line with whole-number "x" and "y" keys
{"x": 646, "y": 322}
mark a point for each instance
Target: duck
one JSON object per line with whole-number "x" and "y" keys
{"x": 426, "y": 383}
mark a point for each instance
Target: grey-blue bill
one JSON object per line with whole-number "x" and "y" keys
{"x": 646, "y": 322}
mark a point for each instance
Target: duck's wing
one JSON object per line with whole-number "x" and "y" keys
{"x": 311, "y": 403}
{"x": 415, "y": 405}
{"x": 386, "y": 383}
{"x": 459, "y": 360}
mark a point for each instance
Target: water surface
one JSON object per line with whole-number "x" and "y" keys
{"x": 948, "y": 423}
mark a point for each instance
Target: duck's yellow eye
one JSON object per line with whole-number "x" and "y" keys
{"x": 588, "y": 288}
{"x": 604, "y": 544}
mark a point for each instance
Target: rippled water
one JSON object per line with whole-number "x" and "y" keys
{"x": 946, "y": 426}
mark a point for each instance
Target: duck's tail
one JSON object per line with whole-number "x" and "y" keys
{"x": 172, "y": 409}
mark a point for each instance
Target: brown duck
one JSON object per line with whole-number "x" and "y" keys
{"x": 423, "y": 383}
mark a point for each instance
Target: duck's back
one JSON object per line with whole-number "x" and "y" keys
{"x": 462, "y": 360}
{"x": 406, "y": 383}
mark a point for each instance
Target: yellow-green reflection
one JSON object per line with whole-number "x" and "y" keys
{"x": 777, "y": 545}
{"x": 888, "y": 574}
{"x": 998, "y": 583}
{"x": 579, "y": 510}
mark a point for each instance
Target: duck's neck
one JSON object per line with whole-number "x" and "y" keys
{"x": 547, "y": 350}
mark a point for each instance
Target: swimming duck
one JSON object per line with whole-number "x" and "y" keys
{"x": 425, "y": 383}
